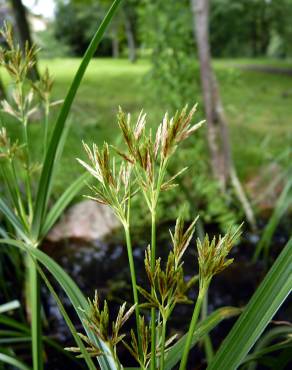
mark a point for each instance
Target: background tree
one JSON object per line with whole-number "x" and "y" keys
{"x": 173, "y": 81}
{"x": 24, "y": 34}
{"x": 130, "y": 15}
{"x": 217, "y": 129}
{"x": 83, "y": 16}
{"x": 169, "y": 40}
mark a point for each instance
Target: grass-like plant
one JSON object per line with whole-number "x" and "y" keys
{"x": 143, "y": 167}
{"x": 27, "y": 210}
{"x": 119, "y": 173}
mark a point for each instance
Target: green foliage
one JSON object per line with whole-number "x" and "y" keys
{"x": 169, "y": 37}
{"x": 144, "y": 168}
{"x": 51, "y": 47}
{"x": 174, "y": 80}
{"x": 281, "y": 207}
{"x": 260, "y": 27}
{"x": 263, "y": 305}
{"x": 82, "y": 16}
{"x": 200, "y": 190}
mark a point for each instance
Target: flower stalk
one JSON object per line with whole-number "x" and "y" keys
{"x": 212, "y": 258}
{"x": 153, "y": 310}
{"x": 192, "y": 327}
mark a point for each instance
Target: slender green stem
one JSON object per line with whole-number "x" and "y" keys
{"x": 134, "y": 282}
{"x": 192, "y": 327}
{"x": 27, "y": 179}
{"x": 153, "y": 240}
{"x": 163, "y": 335}
{"x": 66, "y": 317}
{"x": 20, "y": 204}
{"x": 35, "y": 309}
{"x": 207, "y": 340}
{"x": 153, "y": 311}
{"x": 47, "y": 109}
{"x": 24, "y": 121}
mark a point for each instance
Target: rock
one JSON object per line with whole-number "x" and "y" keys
{"x": 87, "y": 220}
{"x": 265, "y": 188}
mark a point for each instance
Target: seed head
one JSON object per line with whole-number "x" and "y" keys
{"x": 212, "y": 256}
{"x": 18, "y": 63}
{"x": 113, "y": 182}
{"x": 44, "y": 86}
{"x": 8, "y": 149}
{"x": 172, "y": 131}
{"x": 181, "y": 239}
{"x": 98, "y": 321}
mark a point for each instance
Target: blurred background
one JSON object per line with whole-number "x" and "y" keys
{"x": 152, "y": 58}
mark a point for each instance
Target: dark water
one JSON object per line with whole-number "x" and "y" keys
{"x": 102, "y": 266}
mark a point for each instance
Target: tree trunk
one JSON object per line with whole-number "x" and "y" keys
{"x": 115, "y": 42}
{"x": 219, "y": 158}
{"x": 22, "y": 25}
{"x": 130, "y": 38}
{"x": 217, "y": 128}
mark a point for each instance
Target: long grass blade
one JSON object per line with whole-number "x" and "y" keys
{"x": 9, "y": 360}
{"x": 281, "y": 334}
{"x": 267, "y": 350}
{"x": 11, "y": 323}
{"x": 75, "y": 335}
{"x": 46, "y": 175}
{"x": 7, "y": 212}
{"x": 35, "y": 310}
{"x": 263, "y": 305}
{"x": 24, "y": 331}
{"x": 76, "y": 297}
{"x": 7, "y": 337}
{"x": 174, "y": 354}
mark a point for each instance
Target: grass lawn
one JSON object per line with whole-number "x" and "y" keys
{"x": 258, "y": 107}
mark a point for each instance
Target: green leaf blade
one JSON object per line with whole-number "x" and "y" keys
{"x": 46, "y": 175}
{"x": 263, "y": 305}
{"x": 73, "y": 292}
{"x": 6, "y": 359}
{"x": 174, "y": 354}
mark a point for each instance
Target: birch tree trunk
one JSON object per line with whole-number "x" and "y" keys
{"x": 115, "y": 41}
{"x": 217, "y": 128}
{"x": 130, "y": 38}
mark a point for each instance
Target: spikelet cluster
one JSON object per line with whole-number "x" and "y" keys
{"x": 44, "y": 86}
{"x": 168, "y": 284}
{"x": 98, "y": 321}
{"x": 114, "y": 188}
{"x": 147, "y": 152}
{"x": 17, "y": 62}
{"x": 133, "y": 347}
{"x": 213, "y": 255}
{"x": 9, "y": 150}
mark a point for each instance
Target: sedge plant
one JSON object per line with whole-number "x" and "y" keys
{"x": 119, "y": 174}
{"x": 17, "y": 164}
{"x": 141, "y": 166}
